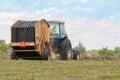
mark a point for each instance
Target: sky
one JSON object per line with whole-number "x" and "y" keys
{"x": 94, "y": 23}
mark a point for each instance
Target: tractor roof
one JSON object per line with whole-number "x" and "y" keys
{"x": 55, "y": 21}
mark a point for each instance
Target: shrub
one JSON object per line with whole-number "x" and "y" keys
{"x": 106, "y": 52}
{"x": 4, "y": 48}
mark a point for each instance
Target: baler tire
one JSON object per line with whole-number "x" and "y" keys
{"x": 47, "y": 55}
{"x": 76, "y": 54}
{"x": 65, "y": 50}
{"x": 13, "y": 56}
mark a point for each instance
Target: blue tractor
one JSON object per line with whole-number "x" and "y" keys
{"x": 62, "y": 45}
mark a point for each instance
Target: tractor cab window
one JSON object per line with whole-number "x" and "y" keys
{"x": 62, "y": 29}
{"x": 54, "y": 28}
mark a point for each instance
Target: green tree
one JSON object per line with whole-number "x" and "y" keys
{"x": 80, "y": 47}
{"x": 117, "y": 50}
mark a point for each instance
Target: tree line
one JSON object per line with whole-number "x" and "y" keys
{"x": 105, "y": 51}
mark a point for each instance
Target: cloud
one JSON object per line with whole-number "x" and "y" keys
{"x": 84, "y": 9}
{"x": 46, "y": 11}
{"x": 93, "y": 33}
{"x": 84, "y": 1}
{"x": 110, "y": 19}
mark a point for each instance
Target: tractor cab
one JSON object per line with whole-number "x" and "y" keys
{"x": 57, "y": 29}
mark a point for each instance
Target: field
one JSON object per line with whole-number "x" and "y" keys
{"x": 59, "y": 70}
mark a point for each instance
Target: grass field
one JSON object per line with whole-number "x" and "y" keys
{"x": 59, "y": 70}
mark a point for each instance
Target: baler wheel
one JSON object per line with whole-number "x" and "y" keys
{"x": 47, "y": 55}
{"x": 13, "y": 56}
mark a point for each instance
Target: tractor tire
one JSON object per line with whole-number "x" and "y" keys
{"x": 47, "y": 55}
{"x": 65, "y": 50}
{"x": 13, "y": 56}
{"x": 76, "y": 54}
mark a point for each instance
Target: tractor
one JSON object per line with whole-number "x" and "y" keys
{"x": 41, "y": 39}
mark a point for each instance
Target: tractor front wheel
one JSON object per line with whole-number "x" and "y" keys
{"x": 76, "y": 54}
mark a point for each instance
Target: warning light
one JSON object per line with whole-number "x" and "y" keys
{"x": 23, "y": 44}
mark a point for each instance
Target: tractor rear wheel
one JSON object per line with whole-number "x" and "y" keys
{"x": 47, "y": 55}
{"x": 66, "y": 50}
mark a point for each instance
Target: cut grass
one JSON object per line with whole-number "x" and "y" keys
{"x": 59, "y": 70}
